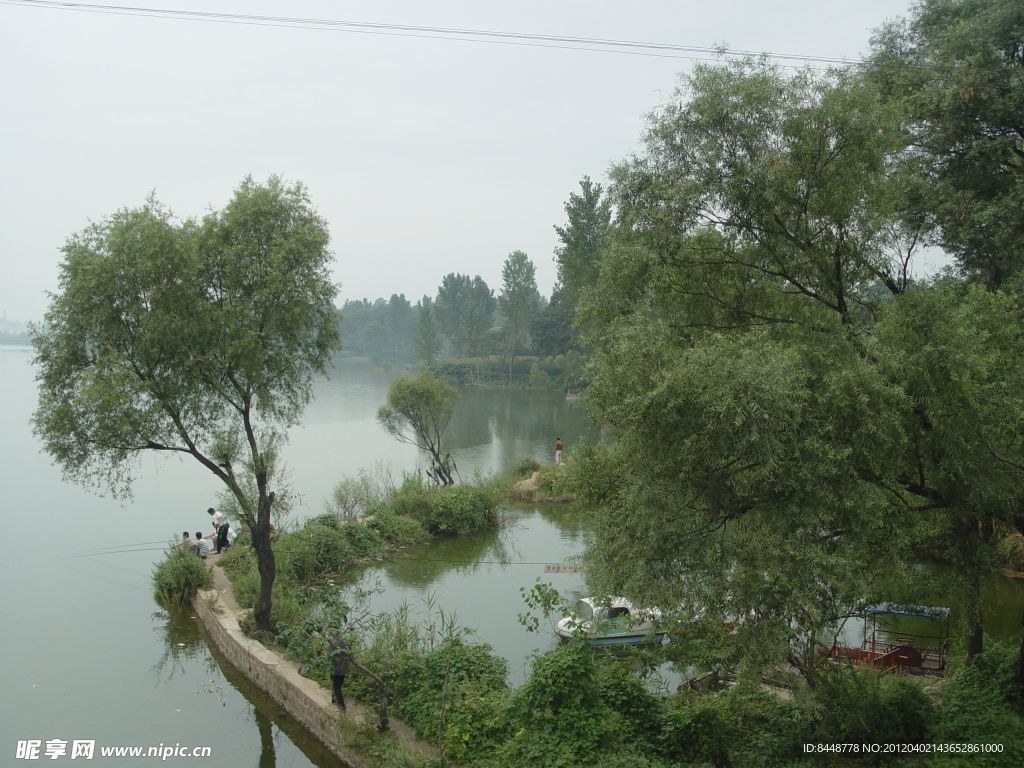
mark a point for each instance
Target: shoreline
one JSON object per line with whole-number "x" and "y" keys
{"x": 305, "y": 700}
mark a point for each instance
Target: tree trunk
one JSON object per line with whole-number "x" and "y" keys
{"x": 975, "y": 636}
{"x": 1020, "y": 661}
{"x": 265, "y": 562}
{"x": 268, "y": 757}
{"x": 978, "y": 536}
{"x": 382, "y": 691}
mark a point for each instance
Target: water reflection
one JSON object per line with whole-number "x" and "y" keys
{"x": 279, "y": 733}
{"x": 268, "y": 758}
{"x": 420, "y": 566}
{"x": 479, "y": 577}
{"x": 183, "y": 645}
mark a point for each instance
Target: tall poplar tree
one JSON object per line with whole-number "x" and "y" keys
{"x": 518, "y": 302}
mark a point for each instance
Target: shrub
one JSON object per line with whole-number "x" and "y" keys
{"x": 557, "y": 716}
{"x": 983, "y": 705}
{"x": 356, "y": 496}
{"x": 1010, "y": 551}
{"x": 864, "y": 706}
{"x": 524, "y": 467}
{"x": 319, "y": 547}
{"x": 412, "y": 499}
{"x": 538, "y": 378}
{"x": 461, "y": 509}
{"x": 364, "y": 540}
{"x": 438, "y": 683}
{"x": 641, "y": 715}
{"x": 740, "y": 727}
{"x": 396, "y": 530}
{"x": 549, "y": 480}
{"x": 177, "y": 577}
{"x": 239, "y": 556}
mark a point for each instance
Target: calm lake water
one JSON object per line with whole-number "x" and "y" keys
{"x": 89, "y": 657}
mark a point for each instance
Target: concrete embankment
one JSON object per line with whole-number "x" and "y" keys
{"x": 279, "y": 678}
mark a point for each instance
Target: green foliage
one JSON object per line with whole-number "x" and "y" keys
{"x": 325, "y": 545}
{"x": 518, "y": 302}
{"x": 542, "y": 600}
{"x": 982, "y": 704}
{"x": 384, "y": 748}
{"x": 200, "y": 339}
{"x": 239, "y": 556}
{"x": 862, "y": 706}
{"x": 550, "y": 479}
{"x": 572, "y": 711}
{"x": 396, "y": 530}
{"x": 461, "y": 509}
{"x": 1011, "y": 551}
{"x": 524, "y": 467}
{"x": 353, "y": 497}
{"x": 792, "y": 417}
{"x": 412, "y": 499}
{"x": 551, "y": 332}
{"x": 583, "y": 239}
{"x": 177, "y": 577}
{"x": 417, "y": 412}
{"x": 639, "y": 716}
{"x": 435, "y": 678}
{"x": 954, "y": 70}
{"x": 311, "y": 552}
{"x": 459, "y": 687}
{"x": 482, "y": 371}
{"x": 538, "y": 378}
{"x": 738, "y": 727}
{"x": 380, "y": 330}
{"x": 465, "y": 309}
{"x": 428, "y": 343}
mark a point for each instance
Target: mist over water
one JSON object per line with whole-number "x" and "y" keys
{"x": 88, "y": 655}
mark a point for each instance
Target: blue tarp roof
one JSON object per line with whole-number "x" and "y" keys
{"x": 920, "y": 611}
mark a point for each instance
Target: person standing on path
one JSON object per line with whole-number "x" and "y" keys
{"x": 558, "y": 450}
{"x": 337, "y": 652}
{"x": 223, "y": 540}
{"x": 218, "y": 518}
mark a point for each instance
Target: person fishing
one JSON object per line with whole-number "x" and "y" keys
{"x": 337, "y": 652}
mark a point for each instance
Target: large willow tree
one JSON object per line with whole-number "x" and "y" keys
{"x": 795, "y": 421}
{"x": 197, "y": 338}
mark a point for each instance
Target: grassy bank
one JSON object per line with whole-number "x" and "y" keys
{"x": 579, "y": 707}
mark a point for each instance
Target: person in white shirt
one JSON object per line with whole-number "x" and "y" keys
{"x": 218, "y": 518}
{"x": 203, "y": 546}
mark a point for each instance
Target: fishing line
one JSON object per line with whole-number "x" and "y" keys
{"x": 100, "y": 550}
{"x": 117, "y": 552}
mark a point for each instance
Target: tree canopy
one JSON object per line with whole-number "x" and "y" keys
{"x": 417, "y": 412}
{"x": 583, "y": 238}
{"x": 518, "y": 302}
{"x": 795, "y": 420}
{"x": 955, "y": 71}
{"x": 465, "y": 308}
{"x": 196, "y": 338}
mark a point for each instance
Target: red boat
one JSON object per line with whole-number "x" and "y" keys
{"x": 915, "y": 653}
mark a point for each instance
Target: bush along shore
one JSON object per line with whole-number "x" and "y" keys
{"x": 579, "y": 706}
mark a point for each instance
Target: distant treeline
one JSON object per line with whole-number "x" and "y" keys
{"x": 14, "y": 337}
{"x": 492, "y": 333}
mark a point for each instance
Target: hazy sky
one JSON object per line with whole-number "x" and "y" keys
{"x": 425, "y": 156}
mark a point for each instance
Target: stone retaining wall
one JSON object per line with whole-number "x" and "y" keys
{"x": 279, "y": 678}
